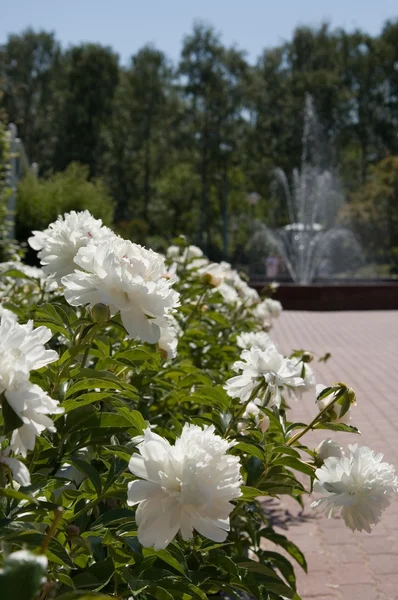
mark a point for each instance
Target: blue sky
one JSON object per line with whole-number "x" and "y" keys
{"x": 127, "y": 25}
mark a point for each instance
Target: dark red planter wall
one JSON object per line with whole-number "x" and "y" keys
{"x": 336, "y": 296}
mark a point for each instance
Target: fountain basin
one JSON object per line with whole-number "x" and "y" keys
{"x": 336, "y": 295}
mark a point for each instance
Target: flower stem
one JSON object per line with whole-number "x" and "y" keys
{"x": 243, "y": 408}
{"x": 51, "y": 529}
{"x": 312, "y": 424}
{"x": 194, "y": 310}
{"x": 88, "y": 507}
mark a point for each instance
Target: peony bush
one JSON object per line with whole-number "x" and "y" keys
{"x": 145, "y": 418}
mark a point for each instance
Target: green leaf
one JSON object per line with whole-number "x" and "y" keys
{"x": 34, "y": 539}
{"x": 82, "y": 596}
{"x": 134, "y": 417}
{"x": 17, "y": 495}
{"x": 282, "y": 564}
{"x": 257, "y": 567}
{"x": 160, "y": 593}
{"x": 89, "y": 470}
{"x": 211, "y": 396}
{"x": 285, "y": 450}
{"x": 102, "y": 420}
{"x": 285, "y": 543}
{"x": 337, "y": 427}
{"x": 294, "y": 463}
{"x": 166, "y": 557}
{"x": 65, "y": 579}
{"x": 84, "y": 400}
{"x": 251, "y": 449}
{"x": 90, "y": 379}
{"x": 17, "y": 274}
{"x": 272, "y": 583}
{"x": 117, "y": 467}
{"x": 250, "y": 493}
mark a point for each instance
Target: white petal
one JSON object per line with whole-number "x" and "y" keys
{"x": 20, "y": 472}
{"x": 141, "y": 490}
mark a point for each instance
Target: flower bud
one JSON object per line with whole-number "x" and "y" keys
{"x": 72, "y": 530}
{"x": 100, "y": 313}
{"x": 264, "y": 423}
{"x": 329, "y": 448}
{"x": 351, "y": 396}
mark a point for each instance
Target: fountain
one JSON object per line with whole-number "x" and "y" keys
{"x": 313, "y": 245}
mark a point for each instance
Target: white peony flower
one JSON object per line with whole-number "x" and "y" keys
{"x": 229, "y": 294}
{"x": 32, "y": 405}
{"x": 274, "y": 307}
{"x": 248, "y": 294}
{"x": 214, "y": 273}
{"x": 183, "y": 487}
{"x": 169, "y": 335}
{"x": 329, "y": 448}
{"x": 19, "y": 471}
{"x": 21, "y": 351}
{"x": 191, "y": 257}
{"x": 129, "y": 279}
{"x": 266, "y": 367}
{"x": 358, "y": 486}
{"x": 258, "y": 339}
{"x": 308, "y": 376}
{"x": 173, "y": 252}
{"x": 335, "y": 409}
{"x": 60, "y": 242}
{"x": 262, "y": 314}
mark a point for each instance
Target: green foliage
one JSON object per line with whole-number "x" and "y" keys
{"x": 110, "y": 388}
{"x": 181, "y": 146}
{"x": 9, "y": 249}
{"x": 40, "y": 201}
{"x": 373, "y": 211}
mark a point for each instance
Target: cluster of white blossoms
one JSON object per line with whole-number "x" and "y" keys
{"x": 266, "y": 311}
{"x": 22, "y": 350}
{"x": 129, "y": 279}
{"x": 257, "y": 339}
{"x": 229, "y": 284}
{"x": 58, "y": 245}
{"x": 97, "y": 267}
{"x": 183, "y": 487}
{"x": 358, "y": 486}
{"x": 265, "y": 371}
{"x": 189, "y": 257}
{"x": 225, "y": 280}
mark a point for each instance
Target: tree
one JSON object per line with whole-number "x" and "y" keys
{"x": 373, "y": 211}
{"x": 139, "y": 133}
{"x": 213, "y": 84}
{"x": 85, "y": 82}
{"x": 27, "y": 66}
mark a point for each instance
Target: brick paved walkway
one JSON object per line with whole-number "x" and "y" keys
{"x": 364, "y": 346}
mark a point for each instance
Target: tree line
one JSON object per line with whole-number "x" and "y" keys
{"x": 181, "y": 146}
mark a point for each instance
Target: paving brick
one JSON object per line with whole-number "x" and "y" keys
{"x": 360, "y": 591}
{"x": 343, "y": 565}
{"x": 385, "y": 564}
